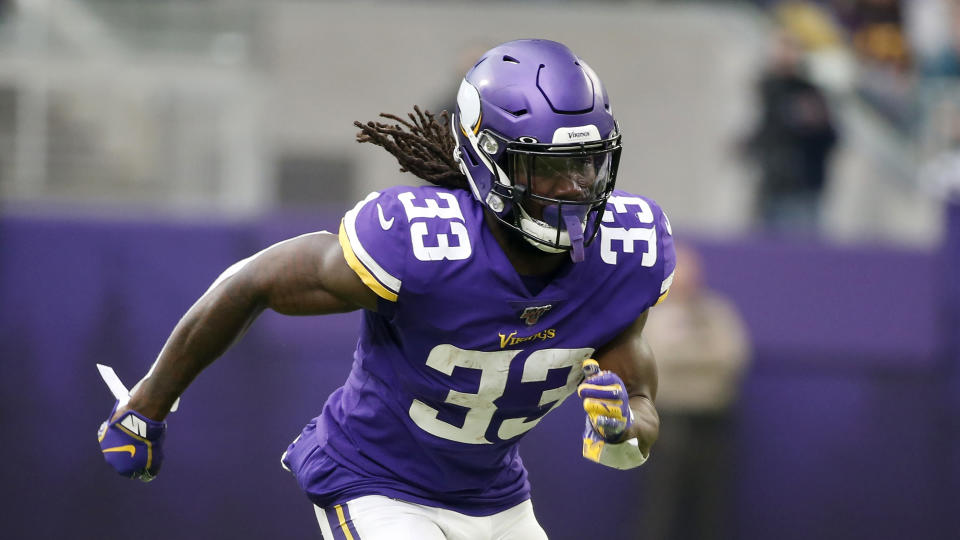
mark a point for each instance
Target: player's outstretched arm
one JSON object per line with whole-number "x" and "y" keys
{"x": 307, "y": 275}
{"x": 618, "y": 395}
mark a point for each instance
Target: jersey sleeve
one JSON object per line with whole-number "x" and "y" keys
{"x": 637, "y": 237}
{"x": 668, "y": 254}
{"x": 374, "y": 241}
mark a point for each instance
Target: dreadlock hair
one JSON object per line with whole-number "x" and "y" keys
{"x": 423, "y": 145}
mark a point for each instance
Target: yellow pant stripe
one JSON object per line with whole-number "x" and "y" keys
{"x": 343, "y": 522}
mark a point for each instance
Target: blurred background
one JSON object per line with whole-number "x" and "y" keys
{"x": 807, "y": 152}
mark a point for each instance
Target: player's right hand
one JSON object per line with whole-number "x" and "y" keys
{"x": 132, "y": 444}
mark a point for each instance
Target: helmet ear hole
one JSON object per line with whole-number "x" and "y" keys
{"x": 469, "y": 153}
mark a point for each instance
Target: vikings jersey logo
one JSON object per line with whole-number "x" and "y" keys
{"x": 531, "y": 315}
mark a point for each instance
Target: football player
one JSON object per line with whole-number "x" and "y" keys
{"x": 519, "y": 277}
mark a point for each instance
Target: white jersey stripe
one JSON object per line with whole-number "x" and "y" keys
{"x": 665, "y": 286}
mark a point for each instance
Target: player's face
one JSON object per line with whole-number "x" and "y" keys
{"x": 564, "y": 178}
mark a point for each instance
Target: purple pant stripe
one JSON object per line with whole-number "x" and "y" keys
{"x": 334, "y": 523}
{"x": 349, "y": 520}
{"x": 333, "y": 519}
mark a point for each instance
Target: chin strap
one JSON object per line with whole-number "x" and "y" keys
{"x": 575, "y": 230}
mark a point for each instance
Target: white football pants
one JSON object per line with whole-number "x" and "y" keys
{"x": 375, "y": 517}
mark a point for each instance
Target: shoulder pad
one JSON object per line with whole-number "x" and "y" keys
{"x": 400, "y": 228}
{"x": 369, "y": 236}
{"x": 636, "y": 231}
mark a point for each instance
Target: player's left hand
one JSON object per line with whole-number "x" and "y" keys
{"x": 131, "y": 444}
{"x": 606, "y": 402}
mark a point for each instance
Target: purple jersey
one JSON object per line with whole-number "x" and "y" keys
{"x": 460, "y": 359}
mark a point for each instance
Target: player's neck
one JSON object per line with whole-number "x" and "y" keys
{"x": 526, "y": 259}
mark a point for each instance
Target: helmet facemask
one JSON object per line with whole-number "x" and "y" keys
{"x": 552, "y": 194}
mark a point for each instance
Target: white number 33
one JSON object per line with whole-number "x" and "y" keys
{"x": 481, "y": 405}
{"x": 628, "y": 237}
{"x": 419, "y": 230}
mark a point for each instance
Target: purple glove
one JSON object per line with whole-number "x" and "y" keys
{"x": 607, "y": 404}
{"x": 132, "y": 444}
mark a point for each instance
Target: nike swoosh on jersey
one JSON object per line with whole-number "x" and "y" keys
{"x": 384, "y": 222}
{"x": 125, "y": 448}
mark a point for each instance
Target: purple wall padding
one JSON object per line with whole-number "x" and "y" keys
{"x": 846, "y": 424}
{"x": 831, "y": 307}
{"x": 950, "y": 310}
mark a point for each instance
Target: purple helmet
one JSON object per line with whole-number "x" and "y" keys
{"x": 538, "y": 142}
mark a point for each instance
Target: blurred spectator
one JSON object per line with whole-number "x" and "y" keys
{"x": 792, "y": 141}
{"x": 876, "y": 28}
{"x": 879, "y": 39}
{"x": 702, "y": 350}
{"x": 933, "y": 29}
{"x": 940, "y": 175}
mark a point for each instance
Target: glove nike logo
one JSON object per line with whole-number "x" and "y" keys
{"x": 384, "y": 222}
{"x": 125, "y": 448}
{"x": 134, "y": 424}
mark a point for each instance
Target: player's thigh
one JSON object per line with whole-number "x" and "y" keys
{"x": 375, "y": 517}
{"x": 517, "y": 523}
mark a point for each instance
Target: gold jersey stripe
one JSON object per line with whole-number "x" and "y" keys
{"x": 361, "y": 270}
{"x": 662, "y": 297}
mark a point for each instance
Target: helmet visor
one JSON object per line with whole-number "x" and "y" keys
{"x": 561, "y": 191}
{"x": 577, "y": 180}
{"x": 558, "y": 191}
